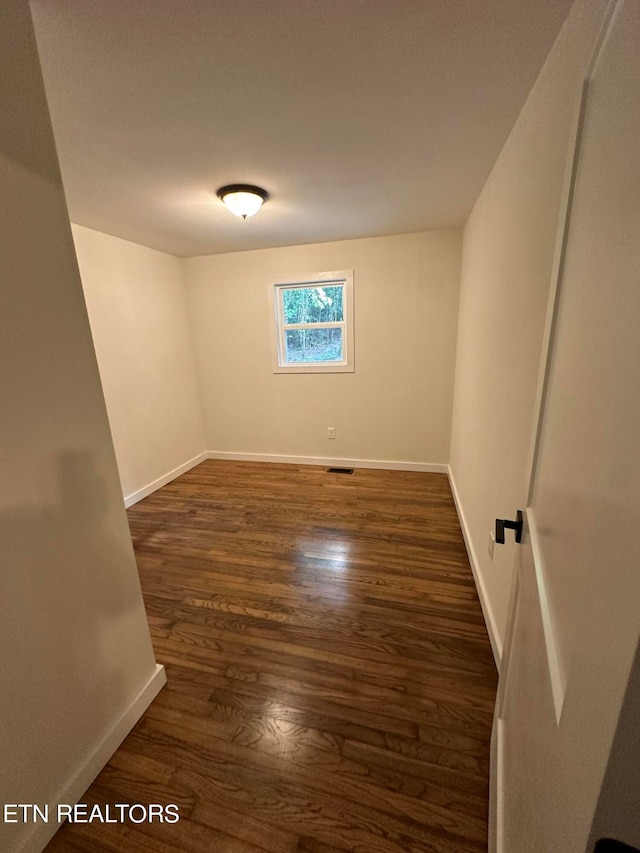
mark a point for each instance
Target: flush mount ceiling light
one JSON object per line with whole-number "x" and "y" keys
{"x": 243, "y": 199}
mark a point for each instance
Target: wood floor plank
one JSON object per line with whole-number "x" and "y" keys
{"x": 345, "y": 824}
{"x": 330, "y": 680}
{"x": 248, "y": 644}
{"x": 156, "y": 837}
{"x": 280, "y": 738}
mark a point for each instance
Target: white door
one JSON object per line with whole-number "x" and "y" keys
{"x": 575, "y": 616}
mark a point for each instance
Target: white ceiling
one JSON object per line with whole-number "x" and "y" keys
{"x": 360, "y": 117}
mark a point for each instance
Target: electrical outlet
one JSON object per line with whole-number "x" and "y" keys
{"x": 492, "y": 542}
{"x": 331, "y": 432}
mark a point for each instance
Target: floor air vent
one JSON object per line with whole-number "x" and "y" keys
{"x": 339, "y": 470}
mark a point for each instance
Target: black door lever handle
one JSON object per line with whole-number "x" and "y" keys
{"x": 516, "y": 525}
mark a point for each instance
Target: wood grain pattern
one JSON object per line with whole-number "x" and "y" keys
{"x": 330, "y": 680}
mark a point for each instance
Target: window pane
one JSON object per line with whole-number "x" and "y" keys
{"x": 308, "y": 345}
{"x": 313, "y": 304}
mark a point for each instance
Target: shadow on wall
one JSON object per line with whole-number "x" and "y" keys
{"x": 61, "y": 613}
{"x": 618, "y": 811}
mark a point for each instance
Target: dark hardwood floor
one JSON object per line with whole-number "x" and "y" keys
{"x": 330, "y": 680}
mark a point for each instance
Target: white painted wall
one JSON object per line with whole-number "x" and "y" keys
{"x": 396, "y": 406}
{"x": 508, "y": 246}
{"x": 75, "y": 651}
{"x": 137, "y": 308}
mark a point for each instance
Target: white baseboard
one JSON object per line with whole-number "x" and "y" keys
{"x": 489, "y": 618}
{"x": 162, "y": 481}
{"x": 384, "y": 464}
{"x": 75, "y": 787}
{"x": 390, "y": 465}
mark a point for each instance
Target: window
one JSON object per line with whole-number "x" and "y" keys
{"x": 313, "y": 322}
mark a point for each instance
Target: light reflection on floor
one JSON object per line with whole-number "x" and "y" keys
{"x": 332, "y": 553}
{"x": 321, "y": 557}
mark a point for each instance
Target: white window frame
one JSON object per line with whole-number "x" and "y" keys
{"x": 279, "y": 328}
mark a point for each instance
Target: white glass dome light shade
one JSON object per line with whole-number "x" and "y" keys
{"x": 242, "y": 199}
{"x": 243, "y": 204}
